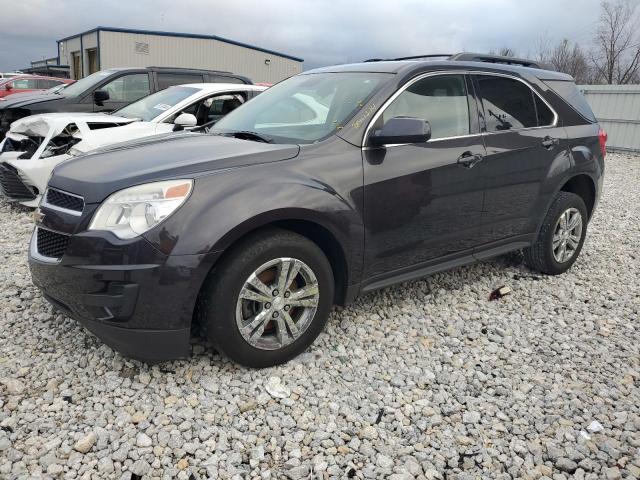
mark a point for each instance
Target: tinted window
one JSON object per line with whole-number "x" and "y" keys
{"x": 169, "y": 79}
{"x": 128, "y": 88}
{"x": 223, "y": 79}
{"x": 569, "y": 91}
{"x": 545, "y": 115}
{"x": 441, "y": 100}
{"x": 508, "y": 104}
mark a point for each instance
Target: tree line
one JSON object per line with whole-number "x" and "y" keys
{"x": 613, "y": 56}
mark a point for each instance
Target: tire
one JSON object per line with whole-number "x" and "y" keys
{"x": 220, "y": 302}
{"x": 540, "y": 256}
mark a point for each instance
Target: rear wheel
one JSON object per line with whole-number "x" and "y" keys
{"x": 561, "y": 236}
{"x": 268, "y": 299}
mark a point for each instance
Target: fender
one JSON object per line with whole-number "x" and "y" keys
{"x": 580, "y": 160}
{"x": 227, "y": 205}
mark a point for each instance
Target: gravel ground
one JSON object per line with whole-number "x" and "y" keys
{"x": 428, "y": 379}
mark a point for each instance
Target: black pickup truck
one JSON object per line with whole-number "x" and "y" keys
{"x": 108, "y": 90}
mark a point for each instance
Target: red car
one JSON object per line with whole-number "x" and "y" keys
{"x": 29, "y": 83}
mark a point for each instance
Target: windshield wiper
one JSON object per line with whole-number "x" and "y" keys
{"x": 248, "y": 135}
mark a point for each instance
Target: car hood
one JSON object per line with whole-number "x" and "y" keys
{"x": 28, "y": 99}
{"x": 53, "y": 123}
{"x": 182, "y": 155}
{"x": 24, "y": 96}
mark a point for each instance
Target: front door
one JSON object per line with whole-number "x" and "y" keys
{"x": 423, "y": 202}
{"x": 522, "y": 137}
{"x": 123, "y": 90}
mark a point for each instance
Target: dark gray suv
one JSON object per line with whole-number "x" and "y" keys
{"x": 337, "y": 181}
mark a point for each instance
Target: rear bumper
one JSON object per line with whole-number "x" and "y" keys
{"x": 137, "y": 300}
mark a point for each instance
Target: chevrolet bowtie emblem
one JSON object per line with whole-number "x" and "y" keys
{"x": 37, "y": 215}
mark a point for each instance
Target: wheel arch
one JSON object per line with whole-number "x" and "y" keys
{"x": 584, "y": 186}
{"x": 310, "y": 225}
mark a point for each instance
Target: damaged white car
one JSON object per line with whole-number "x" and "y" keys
{"x": 35, "y": 145}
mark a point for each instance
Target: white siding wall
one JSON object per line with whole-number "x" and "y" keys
{"x": 67, "y": 47}
{"x": 119, "y": 50}
{"x": 617, "y": 108}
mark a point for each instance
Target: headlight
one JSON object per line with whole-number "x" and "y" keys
{"x": 133, "y": 211}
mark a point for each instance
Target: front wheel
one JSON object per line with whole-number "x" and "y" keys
{"x": 268, "y": 299}
{"x": 561, "y": 236}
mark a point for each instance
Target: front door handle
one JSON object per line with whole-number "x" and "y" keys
{"x": 549, "y": 142}
{"x": 469, "y": 159}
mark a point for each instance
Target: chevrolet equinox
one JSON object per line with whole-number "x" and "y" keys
{"x": 337, "y": 181}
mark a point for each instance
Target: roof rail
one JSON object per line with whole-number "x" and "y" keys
{"x": 469, "y": 57}
{"x": 489, "y": 58}
{"x": 413, "y": 57}
{"x": 190, "y": 69}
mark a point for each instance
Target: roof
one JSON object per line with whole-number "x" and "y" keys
{"x": 406, "y": 66}
{"x": 182, "y": 35}
{"x": 221, "y": 87}
{"x": 29, "y": 76}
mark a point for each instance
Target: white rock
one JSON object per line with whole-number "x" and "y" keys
{"x": 595, "y": 427}
{"x": 276, "y": 388}
{"x": 143, "y": 440}
{"x": 85, "y": 443}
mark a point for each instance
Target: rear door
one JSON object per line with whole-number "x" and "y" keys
{"x": 421, "y": 203}
{"x": 169, "y": 79}
{"x": 523, "y": 137}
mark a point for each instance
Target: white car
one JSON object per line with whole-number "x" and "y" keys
{"x": 35, "y": 145}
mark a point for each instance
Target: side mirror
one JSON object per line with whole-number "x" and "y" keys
{"x": 100, "y": 96}
{"x": 185, "y": 120}
{"x": 402, "y": 130}
{"x": 8, "y": 87}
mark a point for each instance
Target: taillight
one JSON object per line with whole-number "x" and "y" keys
{"x": 602, "y": 138}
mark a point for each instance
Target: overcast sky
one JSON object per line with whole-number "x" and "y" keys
{"x": 323, "y": 32}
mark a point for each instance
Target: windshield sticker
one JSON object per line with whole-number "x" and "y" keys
{"x": 357, "y": 123}
{"x": 162, "y": 106}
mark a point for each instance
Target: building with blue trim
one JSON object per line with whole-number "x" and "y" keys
{"x": 107, "y": 47}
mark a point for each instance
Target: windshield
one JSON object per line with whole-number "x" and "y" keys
{"x": 304, "y": 108}
{"x": 57, "y": 88}
{"x": 87, "y": 82}
{"x": 148, "y": 108}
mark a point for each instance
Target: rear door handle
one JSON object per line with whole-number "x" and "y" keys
{"x": 549, "y": 142}
{"x": 469, "y": 159}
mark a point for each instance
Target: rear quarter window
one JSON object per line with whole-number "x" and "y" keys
{"x": 570, "y": 93}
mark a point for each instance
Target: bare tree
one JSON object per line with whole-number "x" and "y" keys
{"x": 543, "y": 48}
{"x": 568, "y": 57}
{"x": 616, "y": 55}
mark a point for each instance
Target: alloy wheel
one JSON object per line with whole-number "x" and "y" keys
{"x": 277, "y": 303}
{"x": 567, "y": 235}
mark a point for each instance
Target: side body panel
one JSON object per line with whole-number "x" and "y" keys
{"x": 323, "y": 186}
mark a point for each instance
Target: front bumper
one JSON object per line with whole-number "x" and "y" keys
{"x": 136, "y": 299}
{"x": 24, "y": 180}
